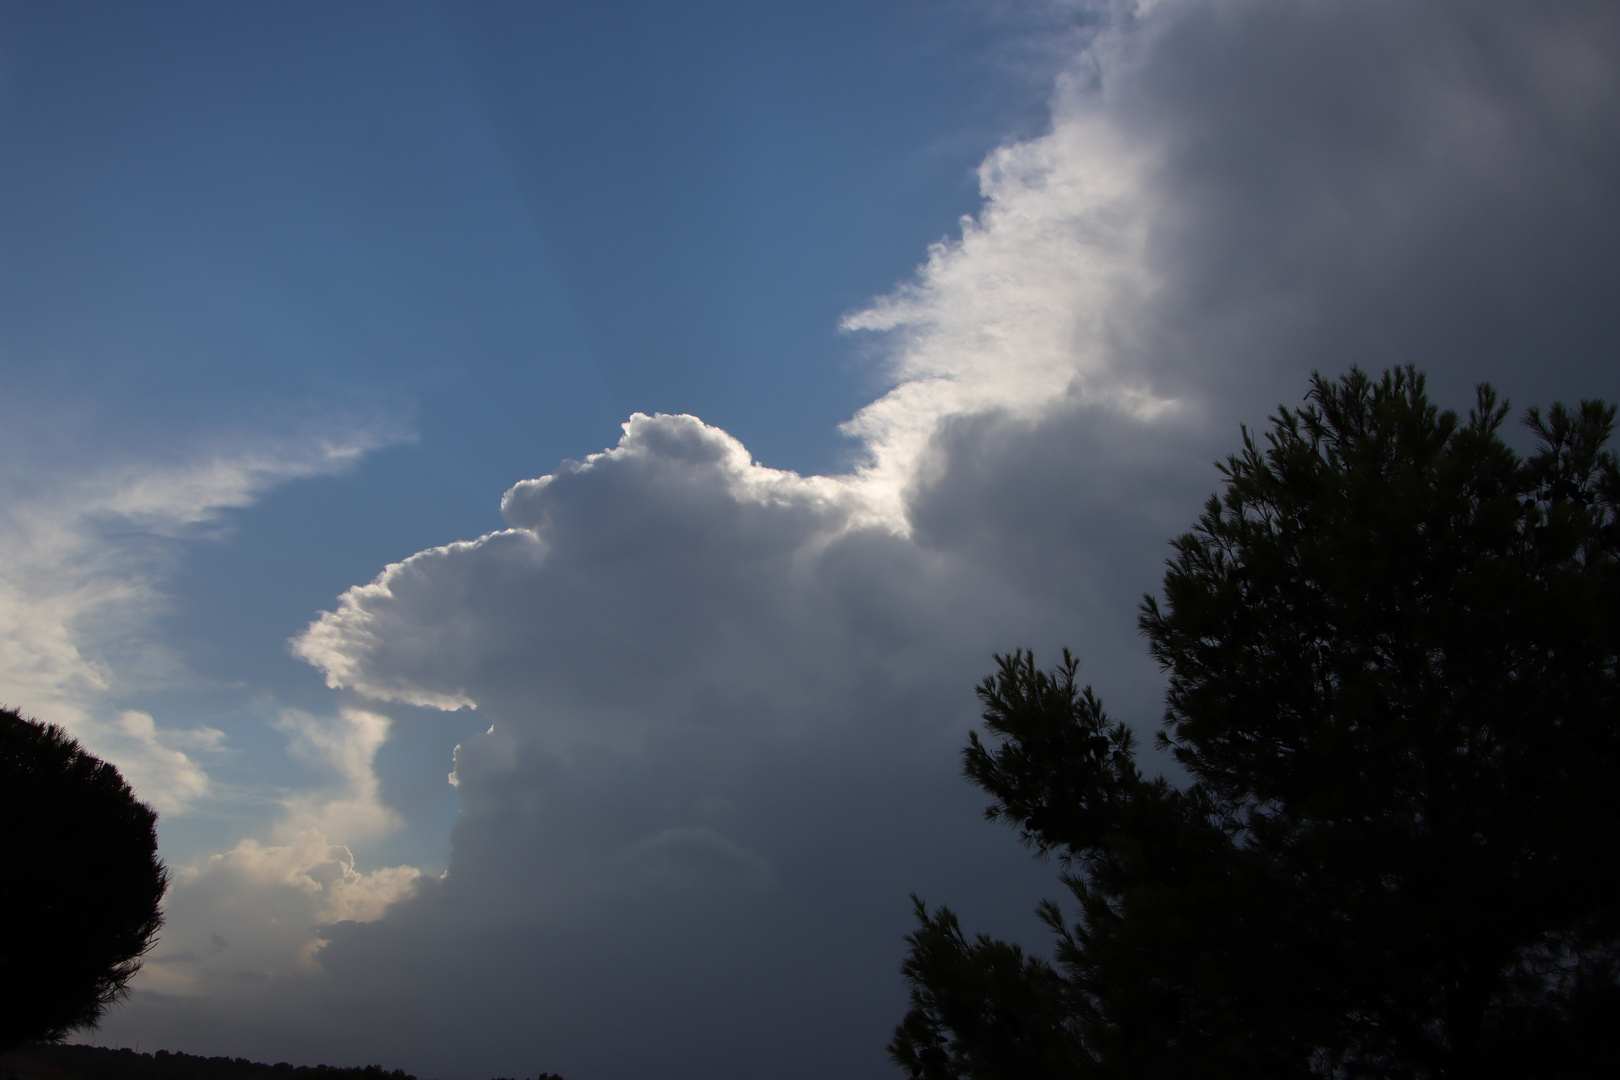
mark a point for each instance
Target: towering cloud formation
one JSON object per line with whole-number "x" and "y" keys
{"x": 724, "y": 700}
{"x": 1027, "y": 309}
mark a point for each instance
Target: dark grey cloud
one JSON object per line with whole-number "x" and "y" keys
{"x": 1381, "y": 184}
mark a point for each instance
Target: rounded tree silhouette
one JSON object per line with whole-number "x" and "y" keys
{"x": 80, "y": 882}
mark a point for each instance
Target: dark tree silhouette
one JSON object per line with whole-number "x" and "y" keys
{"x": 101, "y": 1063}
{"x": 80, "y": 882}
{"x": 1393, "y": 650}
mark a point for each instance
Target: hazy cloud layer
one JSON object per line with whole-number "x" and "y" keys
{"x": 83, "y": 557}
{"x": 253, "y": 914}
{"x": 725, "y": 701}
{"x": 258, "y": 912}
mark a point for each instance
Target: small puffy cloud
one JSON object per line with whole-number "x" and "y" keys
{"x": 344, "y": 747}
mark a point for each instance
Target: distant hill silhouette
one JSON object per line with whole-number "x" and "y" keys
{"x": 99, "y": 1063}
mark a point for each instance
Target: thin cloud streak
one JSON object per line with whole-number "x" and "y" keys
{"x": 82, "y": 564}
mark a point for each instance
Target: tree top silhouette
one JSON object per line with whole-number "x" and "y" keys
{"x": 80, "y": 882}
{"x": 1393, "y": 658}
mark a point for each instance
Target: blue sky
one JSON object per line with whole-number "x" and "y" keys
{"x": 654, "y": 416}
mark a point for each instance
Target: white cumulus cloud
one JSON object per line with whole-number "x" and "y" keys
{"x": 1028, "y": 307}
{"x": 256, "y": 913}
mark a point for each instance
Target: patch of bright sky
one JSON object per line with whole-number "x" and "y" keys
{"x": 501, "y": 227}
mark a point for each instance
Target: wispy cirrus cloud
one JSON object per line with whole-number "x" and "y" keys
{"x": 84, "y": 552}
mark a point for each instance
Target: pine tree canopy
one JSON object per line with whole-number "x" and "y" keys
{"x": 1390, "y": 842}
{"x": 80, "y": 882}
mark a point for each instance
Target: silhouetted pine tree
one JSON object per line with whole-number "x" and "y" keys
{"x": 1393, "y": 650}
{"x": 80, "y": 882}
